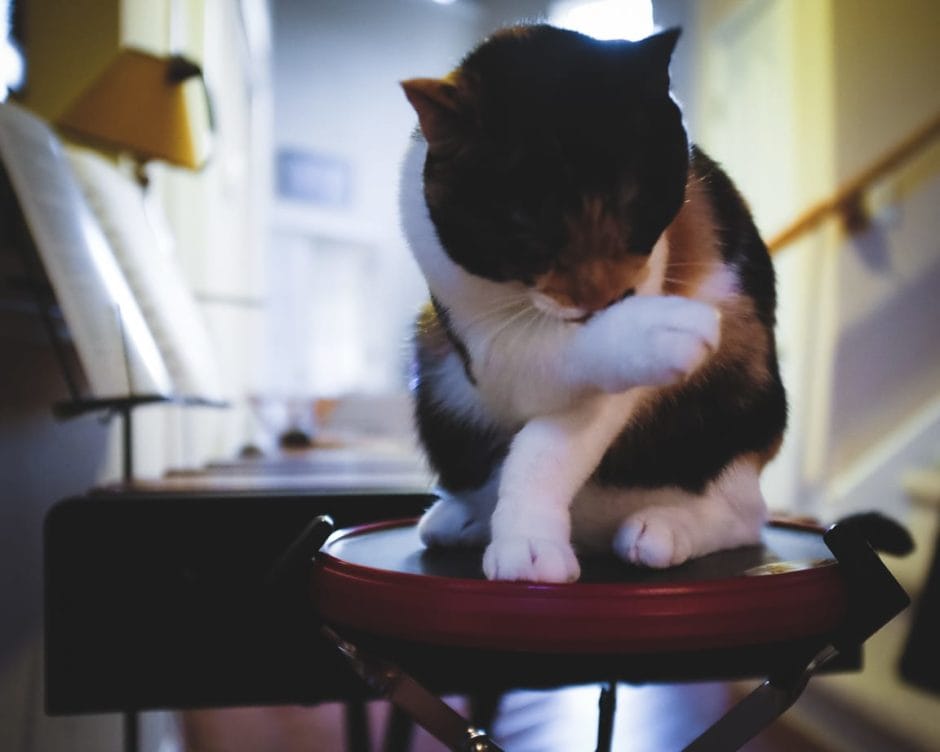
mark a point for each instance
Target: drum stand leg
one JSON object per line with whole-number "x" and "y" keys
{"x": 357, "y": 727}
{"x": 607, "y": 706}
{"x": 759, "y": 709}
{"x": 428, "y": 710}
{"x": 483, "y": 708}
{"x": 874, "y": 598}
{"x": 399, "y": 731}
{"x": 131, "y": 731}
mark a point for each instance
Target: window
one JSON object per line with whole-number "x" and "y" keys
{"x": 11, "y": 63}
{"x": 605, "y": 19}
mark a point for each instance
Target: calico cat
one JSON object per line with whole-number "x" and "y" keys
{"x": 597, "y": 367}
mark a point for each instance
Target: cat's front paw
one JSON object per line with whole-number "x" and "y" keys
{"x": 450, "y": 522}
{"x": 531, "y": 559}
{"x": 653, "y": 538}
{"x": 647, "y": 341}
{"x": 681, "y": 339}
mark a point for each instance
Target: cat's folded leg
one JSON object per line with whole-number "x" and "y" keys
{"x": 460, "y": 518}
{"x": 548, "y": 461}
{"x": 730, "y": 513}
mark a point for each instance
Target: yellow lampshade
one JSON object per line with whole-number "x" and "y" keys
{"x": 148, "y": 106}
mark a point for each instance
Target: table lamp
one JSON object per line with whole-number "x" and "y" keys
{"x": 145, "y": 105}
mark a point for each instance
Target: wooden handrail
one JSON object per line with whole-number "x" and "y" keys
{"x": 846, "y": 200}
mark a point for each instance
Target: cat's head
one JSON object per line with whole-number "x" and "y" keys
{"x": 554, "y": 160}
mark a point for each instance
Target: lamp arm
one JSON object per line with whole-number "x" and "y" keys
{"x": 182, "y": 69}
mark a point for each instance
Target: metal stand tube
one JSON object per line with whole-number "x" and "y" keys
{"x": 607, "y": 706}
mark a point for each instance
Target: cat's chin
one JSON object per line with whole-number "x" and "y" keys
{"x": 550, "y": 307}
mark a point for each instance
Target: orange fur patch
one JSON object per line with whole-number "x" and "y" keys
{"x": 693, "y": 245}
{"x": 592, "y": 271}
{"x": 595, "y": 282}
{"x": 745, "y": 342}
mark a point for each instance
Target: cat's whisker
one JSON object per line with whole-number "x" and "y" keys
{"x": 501, "y": 320}
{"x": 498, "y": 311}
{"x": 502, "y": 305}
{"x": 676, "y": 280}
{"x": 510, "y": 321}
{"x": 524, "y": 328}
{"x": 527, "y": 324}
{"x": 543, "y": 322}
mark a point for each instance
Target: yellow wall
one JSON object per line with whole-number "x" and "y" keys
{"x": 887, "y": 362}
{"x": 845, "y": 80}
{"x": 887, "y": 56}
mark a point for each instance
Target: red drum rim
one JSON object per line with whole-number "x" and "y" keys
{"x": 581, "y": 617}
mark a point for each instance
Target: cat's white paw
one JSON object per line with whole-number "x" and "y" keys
{"x": 653, "y": 538}
{"x": 450, "y": 522}
{"x": 531, "y": 559}
{"x": 670, "y": 337}
{"x": 681, "y": 340}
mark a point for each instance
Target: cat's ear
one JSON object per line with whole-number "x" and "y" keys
{"x": 657, "y": 51}
{"x": 435, "y": 101}
{"x": 658, "y": 48}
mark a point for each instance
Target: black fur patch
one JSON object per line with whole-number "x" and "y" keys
{"x": 547, "y": 118}
{"x": 462, "y": 453}
{"x": 694, "y": 431}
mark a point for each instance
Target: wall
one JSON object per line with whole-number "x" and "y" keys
{"x": 220, "y": 213}
{"x": 758, "y": 83}
{"x": 217, "y": 215}
{"x": 336, "y": 70}
{"x": 60, "y": 64}
{"x": 42, "y": 460}
{"x": 217, "y": 228}
{"x": 887, "y": 361}
{"x": 883, "y": 417}
{"x": 827, "y": 88}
